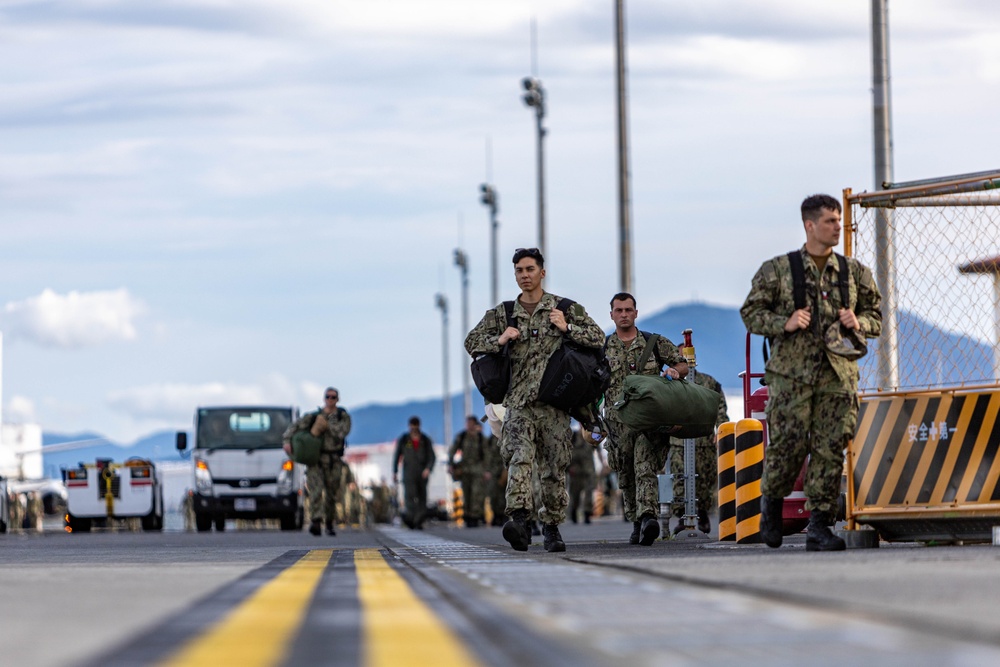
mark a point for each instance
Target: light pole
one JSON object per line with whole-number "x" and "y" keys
{"x": 624, "y": 194}
{"x": 462, "y": 262}
{"x": 441, "y": 301}
{"x": 490, "y": 198}
{"x": 534, "y": 96}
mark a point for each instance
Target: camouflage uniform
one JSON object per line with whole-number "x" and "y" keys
{"x": 416, "y": 459}
{"x": 637, "y": 458}
{"x": 706, "y": 456}
{"x": 470, "y": 471}
{"x": 496, "y": 486}
{"x": 582, "y": 478}
{"x": 323, "y": 478}
{"x": 813, "y": 405}
{"x": 535, "y": 435}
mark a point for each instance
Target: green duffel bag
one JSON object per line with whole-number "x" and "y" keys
{"x": 306, "y": 448}
{"x": 680, "y": 408}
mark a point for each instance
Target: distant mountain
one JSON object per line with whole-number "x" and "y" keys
{"x": 719, "y": 338}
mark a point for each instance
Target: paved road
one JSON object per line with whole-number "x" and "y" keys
{"x": 459, "y": 596}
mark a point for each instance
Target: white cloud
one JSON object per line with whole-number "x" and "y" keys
{"x": 74, "y": 320}
{"x": 175, "y": 402}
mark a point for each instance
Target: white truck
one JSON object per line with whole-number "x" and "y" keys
{"x": 103, "y": 491}
{"x": 240, "y": 469}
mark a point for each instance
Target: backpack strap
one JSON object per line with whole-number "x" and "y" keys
{"x": 843, "y": 281}
{"x": 565, "y": 304}
{"x": 650, "y": 348}
{"x": 798, "y": 279}
{"x": 508, "y": 308}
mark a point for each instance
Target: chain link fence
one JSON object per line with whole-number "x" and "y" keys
{"x": 934, "y": 247}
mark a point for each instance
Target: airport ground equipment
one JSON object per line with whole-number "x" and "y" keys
{"x": 240, "y": 468}
{"x": 104, "y": 491}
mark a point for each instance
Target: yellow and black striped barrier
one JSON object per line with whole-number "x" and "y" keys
{"x": 458, "y": 506}
{"x": 926, "y": 465}
{"x": 727, "y": 481}
{"x": 749, "y": 457}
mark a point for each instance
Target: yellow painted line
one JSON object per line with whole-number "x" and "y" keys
{"x": 399, "y": 629}
{"x": 257, "y": 633}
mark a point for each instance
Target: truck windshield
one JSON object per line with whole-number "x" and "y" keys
{"x": 231, "y": 428}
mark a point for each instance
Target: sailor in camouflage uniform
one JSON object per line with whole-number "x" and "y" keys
{"x": 706, "y": 459}
{"x": 332, "y": 424}
{"x": 636, "y": 457}
{"x": 471, "y": 470}
{"x": 534, "y": 434}
{"x": 813, "y": 406}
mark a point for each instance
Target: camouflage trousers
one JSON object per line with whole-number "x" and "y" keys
{"x": 638, "y": 459}
{"x": 498, "y": 494}
{"x": 581, "y": 493}
{"x": 323, "y": 484}
{"x": 814, "y": 420}
{"x": 474, "y": 489}
{"x": 706, "y": 467}
{"x": 537, "y": 437}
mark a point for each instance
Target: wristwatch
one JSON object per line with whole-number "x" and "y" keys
{"x": 569, "y": 328}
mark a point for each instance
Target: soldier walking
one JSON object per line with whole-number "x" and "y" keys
{"x": 331, "y": 424}
{"x": 471, "y": 472}
{"x": 416, "y": 451}
{"x": 535, "y": 435}
{"x": 812, "y": 376}
{"x": 582, "y": 477}
{"x": 637, "y": 458}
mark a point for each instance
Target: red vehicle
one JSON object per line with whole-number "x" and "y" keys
{"x": 794, "y": 516}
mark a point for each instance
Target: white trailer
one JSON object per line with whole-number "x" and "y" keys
{"x": 105, "y": 491}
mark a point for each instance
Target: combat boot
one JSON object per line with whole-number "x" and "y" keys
{"x": 650, "y": 530}
{"x": 819, "y": 537}
{"x": 770, "y": 520}
{"x": 329, "y": 528}
{"x": 636, "y": 528}
{"x": 316, "y": 527}
{"x": 586, "y": 517}
{"x": 515, "y": 531}
{"x": 704, "y": 524}
{"x": 551, "y": 539}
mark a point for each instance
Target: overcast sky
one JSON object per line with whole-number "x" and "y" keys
{"x": 210, "y": 201}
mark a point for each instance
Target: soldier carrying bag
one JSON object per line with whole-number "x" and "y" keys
{"x": 491, "y": 371}
{"x": 575, "y": 376}
{"x": 651, "y": 403}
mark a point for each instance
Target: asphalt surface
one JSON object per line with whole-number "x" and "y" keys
{"x": 97, "y": 598}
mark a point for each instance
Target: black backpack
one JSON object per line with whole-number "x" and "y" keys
{"x": 575, "y": 375}
{"x": 491, "y": 371}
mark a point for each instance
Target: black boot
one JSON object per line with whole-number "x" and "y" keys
{"x": 329, "y": 528}
{"x": 533, "y": 527}
{"x": 516, "y": 532}
{"x": 704, "y": 525}
{"x": 650, "y": 530}
{"x": 819, "y": 537}
{"x": 316, "y": 527}
{"x": 551, "y": 539}
{"x": 636, "y": 528}
{"x": 586, "y": 517}
{"x": 770, "y": 520}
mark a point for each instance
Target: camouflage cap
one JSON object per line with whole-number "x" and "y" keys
{"x": 848, "y": 343}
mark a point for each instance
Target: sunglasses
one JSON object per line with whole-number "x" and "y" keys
{"x": 332, "y": 397}
{"x": 530, "y": 252}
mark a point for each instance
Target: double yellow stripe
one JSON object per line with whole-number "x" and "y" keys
{"x": 399, "y": 629}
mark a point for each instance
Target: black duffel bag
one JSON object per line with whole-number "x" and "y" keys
{"x": 575, "y": 376}
{"x": 491, "y": 371}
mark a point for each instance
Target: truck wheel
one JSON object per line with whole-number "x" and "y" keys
{"x": 78, "y": 525}
{"x": 152, "y": 521}
{"x": 288, "y": 522}
{"x": 220, "y": 524}
{"x": 203, "y": 522}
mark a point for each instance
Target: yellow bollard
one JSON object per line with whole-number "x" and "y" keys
{"x": 749, "y": 468}
{"x": 727, "y": 481}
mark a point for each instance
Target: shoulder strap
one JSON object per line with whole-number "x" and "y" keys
{"x": 508, "y": 307}
{"x": 798, "y": 279}
{"x": 656, "y": 348}
{"x": 843, "y": 281}
{"x": 606, "y": 339}
{"x": 565, "y": 304}
{"x": 648, "y": 349}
